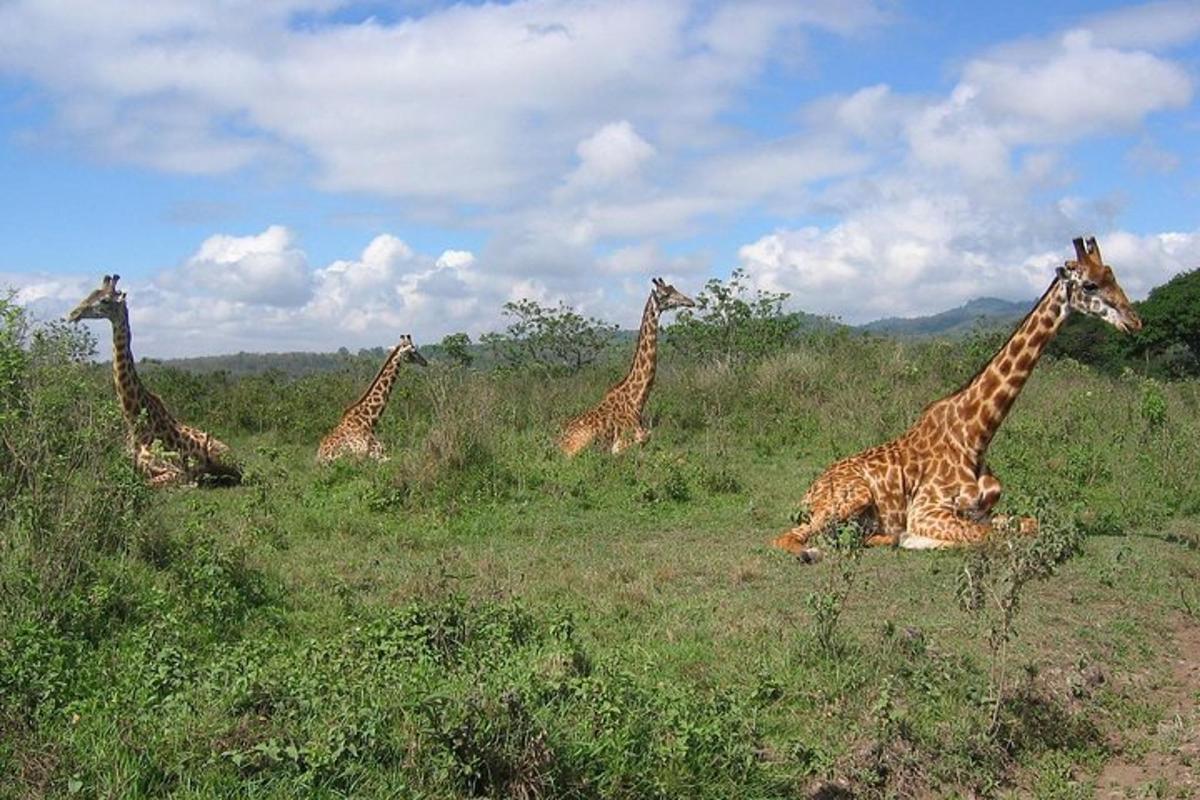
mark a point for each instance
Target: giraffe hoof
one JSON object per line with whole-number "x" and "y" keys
{"x": 810, "y": 555}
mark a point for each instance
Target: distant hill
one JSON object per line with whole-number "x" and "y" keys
{"x": 983, "y": 311}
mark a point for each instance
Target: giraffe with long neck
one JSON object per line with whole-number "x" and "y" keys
{"x": 619, "y": 415}
{"x": 164, "y": 450}
{"x": 354, "y": 435}
{"x": 930, "y": 488}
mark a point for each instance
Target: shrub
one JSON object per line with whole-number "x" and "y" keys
{"x": 732, "y": 323}
{"x": 555, "y": 338}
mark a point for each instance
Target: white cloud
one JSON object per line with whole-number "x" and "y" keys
{"x": 967, "y": 192}
{"x": 927, "y": 254}
{"x": 1150, "y": 25}
{"x": 1081, "y": 88}
{"x": 612, "y": 154}
{"x": 589, "y": 140}
{"x": 462, "y": 103}
{"x": 265, "y": 268}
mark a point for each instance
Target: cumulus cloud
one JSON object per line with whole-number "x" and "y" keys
{"x": 240, "y": 293}
{"x": 590, "y": 142}
{"x": 967, "y": 193}
{"x": 1081, "y": 88}
{"x": 466, "y": 102}
{"x": 612, "y": 154}
{"x": 265, "y": 268}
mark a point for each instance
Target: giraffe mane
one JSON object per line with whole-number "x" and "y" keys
{"x": 374, "y": 380}
{"x": 985, "y": 364}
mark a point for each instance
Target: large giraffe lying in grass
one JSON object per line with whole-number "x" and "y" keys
{"x": 166, "y": 451}
{"x": 930, "y": 488}
{"x": 619, "y": 413}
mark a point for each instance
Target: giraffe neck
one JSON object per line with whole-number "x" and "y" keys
{"x": 985, "y": 401}
{"x": 125, "y": 377}
{"x": 370, "y": 406}
{"x": 645, "y": 356}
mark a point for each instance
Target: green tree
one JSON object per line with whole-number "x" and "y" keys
{"x": 553, "y": 337}
{"x": 1170, "y": 338}
{"x": 1091, "y": 341}
{"x": 457, "y": 346}
{"x": 733, "y": 322}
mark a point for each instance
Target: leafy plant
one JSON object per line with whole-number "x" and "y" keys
{"x": 845, "y": 547}
{"x": 732, "y": 322}
{"x": 552, "y": 337}
{"x": 456, "y": 347}
{"x": 994, "y": 580}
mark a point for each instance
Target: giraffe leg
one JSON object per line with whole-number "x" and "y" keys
{"x": 158, "y": 472}
{"x": 1026, "y": 526}
{"x": 641, "y": 434}
{"x": 989, "y": 491}
{"x": 576, "y": 437}
{"x": 830, "y": 501}
{"x": 938, "y": 527}
{"x": 375, "y": 450}
{"x": 620, "y": 442}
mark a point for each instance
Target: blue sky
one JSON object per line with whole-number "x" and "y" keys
{"x": 306, "y": 174}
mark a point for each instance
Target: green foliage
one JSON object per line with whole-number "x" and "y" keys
{"x": 478, "y": 617}
{"x": 995, "y": 578}
{"x": 456, "y": 347}
{"x": 1171, "y": 320}
{"x": 556, "y": 338}
{"x": 733, "y": 323}
{"x": 1153, "y": 408}
{"x": 1167, "y": 347}
{"x": 844, "y": 546}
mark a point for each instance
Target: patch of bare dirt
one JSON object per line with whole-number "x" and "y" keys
{"x": 1170, "y": 768}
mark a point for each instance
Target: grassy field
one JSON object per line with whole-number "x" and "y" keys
{"x": 478, "y": 617}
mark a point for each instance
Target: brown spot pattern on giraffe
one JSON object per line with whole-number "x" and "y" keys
{"x": 354, "y": 435}
{"x": 947, "y": 491}
{"x": 164, "y": 450}
{"x": 618, "y": 417}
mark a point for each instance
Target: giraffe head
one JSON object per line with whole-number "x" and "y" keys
{"x": 1092, "y": 288}
{"x": 103, "y": 303}
{"x": 408, "y": 351}
{"x": 667, "y": 296}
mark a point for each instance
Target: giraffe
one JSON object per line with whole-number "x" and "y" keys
{"x": 930, "y": 488}
{"x": 164, "y": 450}
{"x": 620, "y": 412}
{"x": 354, "y": 435}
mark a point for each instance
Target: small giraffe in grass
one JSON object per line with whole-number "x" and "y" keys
{"x": 354, "y": 435}
{"x": 166, "y": 451}
{"x": 620, "y": 412}
{"x": 930, "y": 488}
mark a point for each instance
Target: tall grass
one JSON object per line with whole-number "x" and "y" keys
{"x": 150, "y": 645}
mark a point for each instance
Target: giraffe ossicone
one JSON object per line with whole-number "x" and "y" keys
{"x": 164, "y": 450}
{"x": 930, "y": 487}
{"x": 354, "y": 435}
{"x": 618, "y": 416}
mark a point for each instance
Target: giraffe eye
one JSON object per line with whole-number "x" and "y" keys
{"x": 1090, "y": 286}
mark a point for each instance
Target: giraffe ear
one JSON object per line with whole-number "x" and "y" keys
{"x": 1064, "y": 273}
{"x": 1080, "y": 252}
